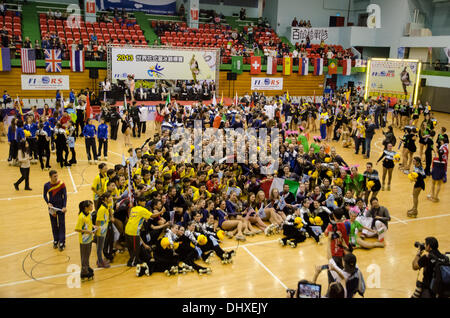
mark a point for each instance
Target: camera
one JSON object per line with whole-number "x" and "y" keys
{"x": 420, "y": 246}
{"x": 334, "y": 234}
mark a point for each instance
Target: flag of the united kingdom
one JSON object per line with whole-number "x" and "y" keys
{"x": 53, "y": 63}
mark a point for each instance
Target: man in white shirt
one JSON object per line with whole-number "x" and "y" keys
{"x": 270, "y": 110}
{"x": 330, "y": 54}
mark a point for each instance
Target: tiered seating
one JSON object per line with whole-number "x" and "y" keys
{"x": 12, "y": 24}
{"x": 207, "y": 35}
{"x": 262, "y": 37}
{"x": 313, "y": 52}
{"x": 119, "y": 34}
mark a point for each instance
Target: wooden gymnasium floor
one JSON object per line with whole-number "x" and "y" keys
{"x": 30, "y": 267}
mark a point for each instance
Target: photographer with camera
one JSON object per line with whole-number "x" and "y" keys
{"x": 338, "y": 237}
{"x": 436, "y": 270}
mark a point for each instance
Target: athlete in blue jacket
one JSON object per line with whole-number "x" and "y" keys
{"x": 102, "y": 136}
{"x": 89, "y": 133}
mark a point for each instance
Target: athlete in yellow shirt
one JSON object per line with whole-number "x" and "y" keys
{"x": 100, "y": 181}
{"x": 86, "y": 232}
{"x": 137, "y": 216}
{"x": 104, "y": 216}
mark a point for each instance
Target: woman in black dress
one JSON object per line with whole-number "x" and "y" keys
{"x": 419, "y": 185}
{"x": 388, "y": 165}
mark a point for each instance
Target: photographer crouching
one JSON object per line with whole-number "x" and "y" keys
{"x": 436, "y": 270}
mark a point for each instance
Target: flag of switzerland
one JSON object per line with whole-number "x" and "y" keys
{"x": 255, "y": 65}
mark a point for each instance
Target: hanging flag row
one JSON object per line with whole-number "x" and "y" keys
{"x": 237, "y": 64}
{"x": 53, "y": 61}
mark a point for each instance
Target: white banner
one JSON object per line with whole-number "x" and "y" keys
{"x": 267, "y": 83}
{"x": 315, "y": 34}
{"x": 45, "y": 82}
{"x": 163, "y": 63}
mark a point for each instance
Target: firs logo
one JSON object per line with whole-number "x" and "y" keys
{"x": 267, "y": 82}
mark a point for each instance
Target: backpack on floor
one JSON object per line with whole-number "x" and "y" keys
{"x": 440, "y": 283}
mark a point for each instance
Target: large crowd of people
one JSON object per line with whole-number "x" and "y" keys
{"x": 170, "y": 214}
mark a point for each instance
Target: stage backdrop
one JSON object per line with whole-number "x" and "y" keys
{"x": 163, "y": 63}
{"x": 392, "y": 78}
{"x": 167, "y": 7}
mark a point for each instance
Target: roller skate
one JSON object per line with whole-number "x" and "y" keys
{"x": 282, "y": 243}
{"x": 269, "y": 230}
{"x": 87, "y": 277}
{"x": 173, "y": 271}
{"x": 142, "y": 269}
{"x": 412, "y": 213}
{"x": 227, "y": 258}
{"x": 202, "y": 271}
{"x": 184, "y": 268}
{"x": 210, "y": 256}
{"x": 292, "y": 244}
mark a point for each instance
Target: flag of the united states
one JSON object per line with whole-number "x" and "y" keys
{"x": 28, "y": 59}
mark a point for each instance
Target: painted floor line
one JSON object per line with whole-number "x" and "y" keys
{"x": 113, "y": 266}
{"x": 71, "y": 179}
{"x": 399, "y": 220}
{"x": 31, "y": 248}
{"x": 53, "y": 276}
{"x": 27, "y": 196}
{"x": 265, "y": 267}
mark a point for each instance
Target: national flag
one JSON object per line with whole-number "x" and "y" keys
{"x": 332, "y": 66}
{"x": 28, "y": 60}
{"x": 255, "y": 65}
{"x": 5, "y": 59}
{"x": 221, "y": 100}
{"x": 278, "y": 183}
{"x": 318, "y": 66}
{"x": 236, "y": 100}
{"x": 287, "y": 65}
{"x": 237, "y": 63}
{"x": 347, "y": 67}
{"x": 167, "y": 99}
{"x": 88, "y": 107}
{"x": 53, "y": 62}
{"x": 303, "y": 66}
{"x": 271, "y": 65}
{"x": 287, "y": 96}
{"x": 214, "y": 102}
{"x": 77, "y": 61}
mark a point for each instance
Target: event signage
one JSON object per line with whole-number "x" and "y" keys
{"x": 392, "y": 78}
{"x": 267, "y": 83}
{"x": 314, "y": 34}
{"x": 166, "y": 7}
{"x": 45, "y": 82}
{"x": 163, "y": 63}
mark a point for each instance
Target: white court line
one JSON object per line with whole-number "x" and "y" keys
{"x": 401, "y": 221}
{"x": 31, "y": 248}
{"x": 71, "y": 178}
{"x": 115, "y": 153}
{"x": 113, "y": 266}
{"x": 422, "y": 218}
{"x": 264, "y": 266}
{"x": 53, "y": 276}
{"x": 28, "y": 196}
